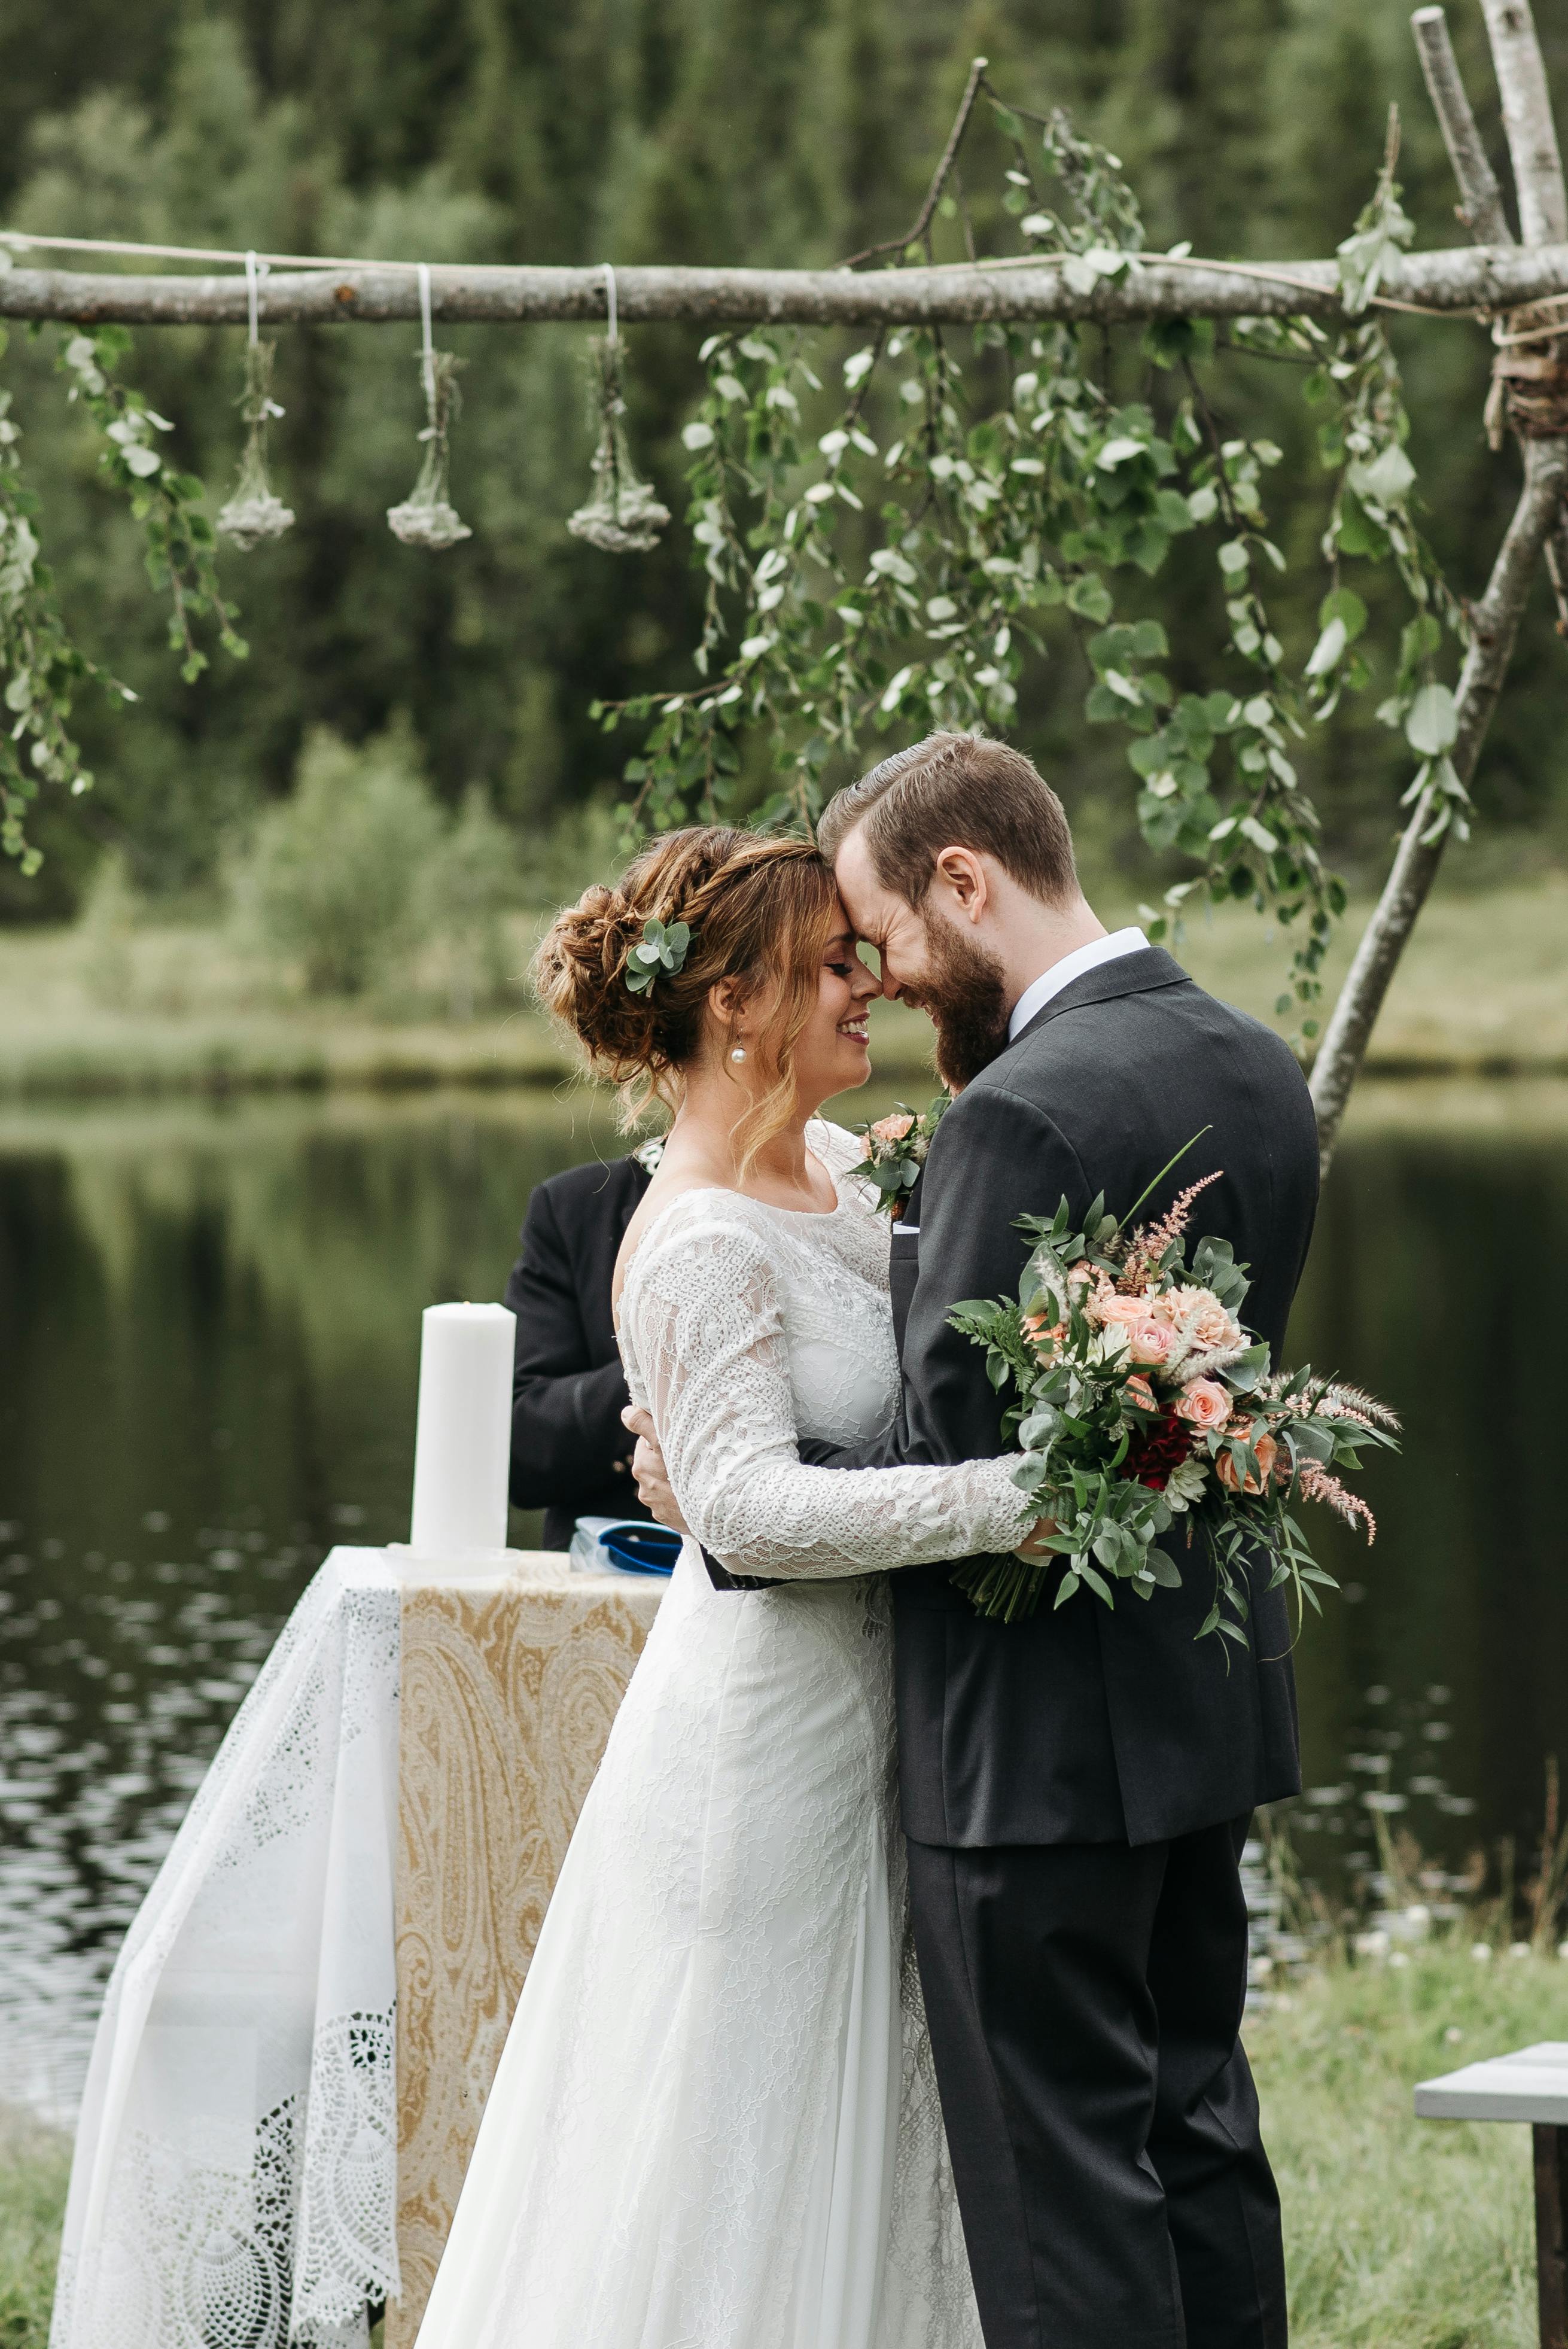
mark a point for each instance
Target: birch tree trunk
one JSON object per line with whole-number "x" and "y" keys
{"x": 1543, "y": 209}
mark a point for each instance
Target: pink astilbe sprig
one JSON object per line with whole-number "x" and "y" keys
{"x": 1317, "y": 1485}
{"x": 1149, "y": 1241}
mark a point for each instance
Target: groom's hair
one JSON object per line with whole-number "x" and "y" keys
{"x": 955, "y": 791}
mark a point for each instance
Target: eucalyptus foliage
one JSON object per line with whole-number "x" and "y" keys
{"x": 890, "y": 558}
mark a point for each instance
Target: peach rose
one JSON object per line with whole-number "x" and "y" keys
{"x": 1265, "y": 1450}
{"x": 1140, "y": 1393}
{"x": 1124, "y": 1311}
{"x": 1153, "y": 1342}
{"x": 1205, "y": 1405}
{"x": 893, "y": 1129}
{"x": 1043, "y": 1332}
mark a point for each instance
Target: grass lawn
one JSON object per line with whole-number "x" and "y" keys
{"x": 1399, "y": 2234}
{"x": 33, "y": 2162}
{"x": 1482, "y": 990}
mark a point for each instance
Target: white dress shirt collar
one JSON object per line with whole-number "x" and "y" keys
{"x": 1039, "y": 992}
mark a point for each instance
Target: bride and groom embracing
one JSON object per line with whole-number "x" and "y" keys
{"x": 890, "y": 1995}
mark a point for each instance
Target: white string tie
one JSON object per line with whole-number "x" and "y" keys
{"x": 428, "y": 353}
{"x": 254, "y": 271}
{"x": 609, "y": 296}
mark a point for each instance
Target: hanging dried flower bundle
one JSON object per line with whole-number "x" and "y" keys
{"x": 623, "y": 516}
{"x": 427, "y": 518}
{"x": 252, "y": 515}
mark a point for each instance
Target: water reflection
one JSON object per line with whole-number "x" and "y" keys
{"x": 212, "y": 1323}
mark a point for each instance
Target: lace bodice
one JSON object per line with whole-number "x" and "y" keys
{"x": 744, "y": 1326}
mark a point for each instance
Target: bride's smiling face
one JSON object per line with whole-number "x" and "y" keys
{"x": 831, "y": 1052}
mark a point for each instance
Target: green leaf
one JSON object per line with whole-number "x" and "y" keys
{"x": 1149, "y": 547}
{"x": 1329, "y": 648}
{"x": 1343, "y": 604}
{"x": 1433, "y": 724}
{"x": 1358, "y": 533}
{"x": 1383, "y": 480}
{"x": 1089, "y": 597}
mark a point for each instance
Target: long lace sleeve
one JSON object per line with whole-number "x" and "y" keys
{"x": 705, "y": 1351}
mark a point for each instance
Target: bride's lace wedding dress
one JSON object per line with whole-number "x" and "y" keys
{"x": 715, "y": 2125}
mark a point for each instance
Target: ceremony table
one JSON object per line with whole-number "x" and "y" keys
{"x": 304, "y": 2020}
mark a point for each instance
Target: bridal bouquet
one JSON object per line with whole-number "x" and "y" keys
{"x": 1141, "y": 1402}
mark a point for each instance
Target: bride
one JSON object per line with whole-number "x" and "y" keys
{"x": 715, "y": 2124}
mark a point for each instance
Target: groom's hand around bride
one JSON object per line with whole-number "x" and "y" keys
{"x": 648, "y": 1470}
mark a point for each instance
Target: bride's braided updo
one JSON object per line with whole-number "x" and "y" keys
{"x": 760, "y": 911}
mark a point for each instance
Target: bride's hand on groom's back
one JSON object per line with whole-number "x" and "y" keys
{"x": 648, "y": 1469}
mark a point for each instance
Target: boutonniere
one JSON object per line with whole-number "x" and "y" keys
{"x": 895, "y": 1151}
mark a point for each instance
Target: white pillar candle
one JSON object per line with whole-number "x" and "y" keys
{"x": 463, "y": 1441}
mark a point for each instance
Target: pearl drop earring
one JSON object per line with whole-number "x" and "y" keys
{"x": 739, "y": 1053}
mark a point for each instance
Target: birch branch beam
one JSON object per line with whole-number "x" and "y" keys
{"x": 1459, "y": 280}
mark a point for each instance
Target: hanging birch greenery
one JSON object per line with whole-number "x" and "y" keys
{"x": 166, "y": 503}
{"x": 40, "y": 664}
{"x": 899, "y": 568}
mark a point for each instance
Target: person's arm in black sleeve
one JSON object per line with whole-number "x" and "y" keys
{"x": 566, "y": 1429}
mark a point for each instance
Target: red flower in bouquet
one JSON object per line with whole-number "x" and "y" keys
{"x": 1155, "y": 1452}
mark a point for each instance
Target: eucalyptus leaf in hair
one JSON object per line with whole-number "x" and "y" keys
{"x": 660, "y": 949}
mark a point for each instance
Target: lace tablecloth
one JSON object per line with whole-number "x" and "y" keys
{"x": 236, "y": 2180}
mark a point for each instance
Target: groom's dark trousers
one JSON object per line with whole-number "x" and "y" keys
{"x": 1076, "y": 1788}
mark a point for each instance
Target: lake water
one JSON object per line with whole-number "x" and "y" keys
{"x": 209, "y": 1321}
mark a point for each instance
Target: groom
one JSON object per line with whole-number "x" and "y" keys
{"x": 1076, "y": 1789}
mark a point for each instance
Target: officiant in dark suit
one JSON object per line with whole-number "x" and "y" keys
{"x": 571, "y": 1456}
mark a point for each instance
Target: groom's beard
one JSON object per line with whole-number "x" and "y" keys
{"x": 965, "y": 995}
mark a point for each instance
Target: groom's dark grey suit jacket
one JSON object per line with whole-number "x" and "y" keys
{"x": 1086, "y": 1725}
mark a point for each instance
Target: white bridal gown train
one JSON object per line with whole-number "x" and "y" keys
{"x": 715, "y": 2125}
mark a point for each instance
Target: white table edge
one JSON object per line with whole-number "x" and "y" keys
{"x": 1529, "y": 2085}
